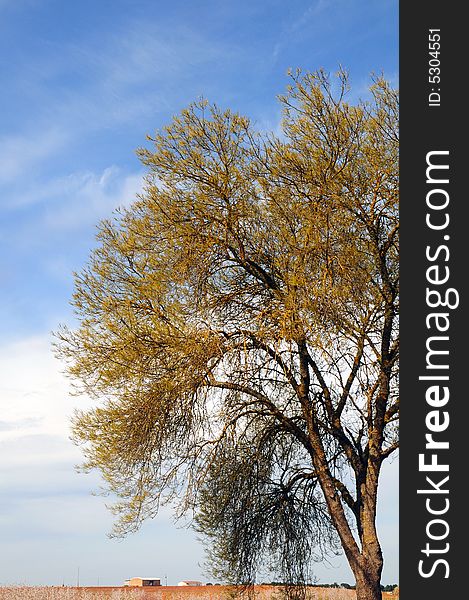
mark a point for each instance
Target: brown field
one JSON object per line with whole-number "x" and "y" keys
{"x": 262, "y": 592}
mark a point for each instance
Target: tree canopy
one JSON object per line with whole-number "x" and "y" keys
{"x": 239, "y": 326}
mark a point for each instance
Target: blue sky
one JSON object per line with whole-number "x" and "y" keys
{"x": 82, "y": 84}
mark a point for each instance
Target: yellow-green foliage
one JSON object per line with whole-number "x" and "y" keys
{"x": 252, "y": 287}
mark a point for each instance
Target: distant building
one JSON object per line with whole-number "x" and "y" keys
{"x": 190, "y": 583}
{"x": 142, "y": 581}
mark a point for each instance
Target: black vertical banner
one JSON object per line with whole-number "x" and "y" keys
{"x": 434, "y": 462}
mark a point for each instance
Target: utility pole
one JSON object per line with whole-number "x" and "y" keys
{"x": 78, "y": 577}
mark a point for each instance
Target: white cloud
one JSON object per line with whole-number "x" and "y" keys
{"x": 66, "y": 211}
{"x": 109, "y": 188}
{"x": 50, "y": 521}
{"x": 86, "y": 198}
{"x": 22, "y": 152}
{"x": 34, "y": 398}
{"x": 39, "y": 487}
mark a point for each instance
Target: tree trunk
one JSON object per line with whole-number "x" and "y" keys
{"x": 369, "y": 566}
{"x": 368, "y": 585}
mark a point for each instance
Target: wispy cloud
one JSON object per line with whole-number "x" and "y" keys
{"x": 125, "y": 77}
{"x": 316, "y": 8}
{"x": 19, "y": 424}
{"x": 86, "y": 198}
{"x": 122, "y": 75}
{"x": 34, "y": 394}
{"x": 146, "y": 53}
{"x": 21, "y": 153}
{"x": 68, "y": 206}
{"x": 298, "y": 23}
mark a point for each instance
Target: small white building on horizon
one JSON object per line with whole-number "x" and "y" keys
{"x": 142, "y": 581}
{"x": 190, "y": 582}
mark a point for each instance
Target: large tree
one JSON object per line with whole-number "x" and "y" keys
{"x": 238, "y": 324}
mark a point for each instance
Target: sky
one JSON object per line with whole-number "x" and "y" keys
{"x": 82, "y": 84}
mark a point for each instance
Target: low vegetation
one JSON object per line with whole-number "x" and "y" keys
{"x": 73, "y": 593}
{"x": 69, "y": 593}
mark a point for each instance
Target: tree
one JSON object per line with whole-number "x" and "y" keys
{"x": 239, "y": 324}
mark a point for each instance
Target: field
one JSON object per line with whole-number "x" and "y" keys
{"x": 165, "y": 593}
